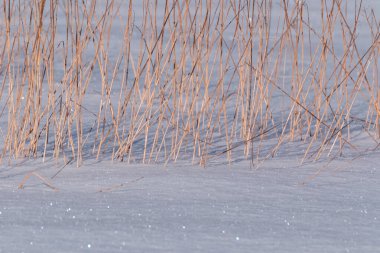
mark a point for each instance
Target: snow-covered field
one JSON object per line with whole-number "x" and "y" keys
{"x": 280, "y": 207}
{"x": 267, "y": 204}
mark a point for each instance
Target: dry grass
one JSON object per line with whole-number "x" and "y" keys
{"x": 193, "y": 79}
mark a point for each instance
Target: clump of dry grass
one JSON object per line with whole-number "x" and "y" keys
{"x": 197, "y": 78}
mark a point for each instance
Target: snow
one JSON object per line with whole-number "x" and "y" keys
{"x": 276, "y": 205}
{"x": 279, "y": 207}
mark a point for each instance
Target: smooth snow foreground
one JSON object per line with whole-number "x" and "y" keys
{"x": 279, "y": 207}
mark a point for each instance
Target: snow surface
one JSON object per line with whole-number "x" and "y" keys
{"x": 277, "y": 207}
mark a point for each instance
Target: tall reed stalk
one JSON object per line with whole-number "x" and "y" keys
{"x": 159, "y": 81}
